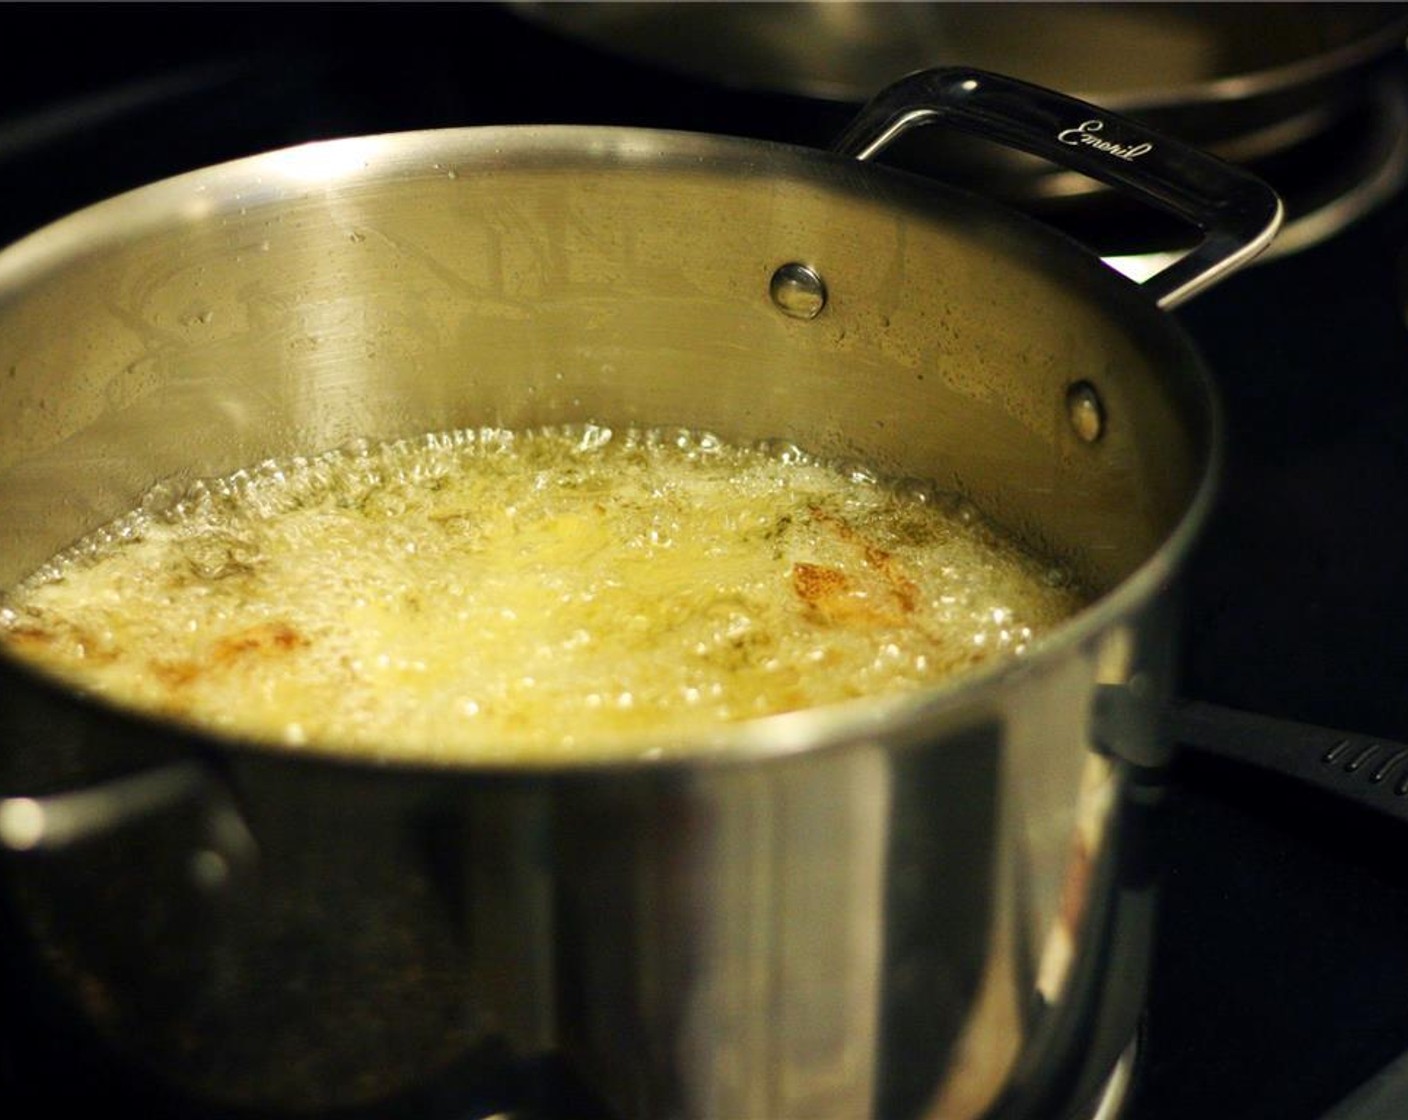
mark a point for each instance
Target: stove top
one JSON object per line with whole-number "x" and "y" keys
{"x": 1280, "y": 979}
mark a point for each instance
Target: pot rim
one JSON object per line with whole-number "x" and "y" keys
{"x": 281, "y": 174}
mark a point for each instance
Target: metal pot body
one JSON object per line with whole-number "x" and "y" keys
{"x": 899, "y": 908}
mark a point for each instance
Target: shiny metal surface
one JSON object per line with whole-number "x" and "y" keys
{"x": 1236, "y": 213}
{"x": 28, "y": 823}
{"x": 1122, "y": 55}
{"x": 1086, "y": 413}
{"x": 1267, "y": 86}
{"x": 895, "y": 909}
{"x": 798, "y": 291}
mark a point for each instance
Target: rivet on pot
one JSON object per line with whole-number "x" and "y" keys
{"x": 798, "y": 291}
{"x": 1085, "y": 411}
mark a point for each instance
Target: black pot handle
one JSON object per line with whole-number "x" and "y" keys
{"x": 1358, "y": 768}
{"x": 62, "y": 821}
{"x": 1238, "y": 213}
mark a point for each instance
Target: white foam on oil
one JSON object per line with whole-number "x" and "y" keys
{"x": 510, "y": 594}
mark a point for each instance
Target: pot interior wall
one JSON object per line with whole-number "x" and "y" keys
{"x": 385, "y": 287}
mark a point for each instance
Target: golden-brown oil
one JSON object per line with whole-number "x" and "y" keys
{"x": 512, "y": 595}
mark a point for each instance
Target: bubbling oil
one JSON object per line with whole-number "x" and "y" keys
{"x": 507, "y": 596}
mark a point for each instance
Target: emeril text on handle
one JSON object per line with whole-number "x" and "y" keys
{"x": 1086, "y": 133}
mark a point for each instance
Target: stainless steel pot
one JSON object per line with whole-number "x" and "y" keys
{"x": 900, "y": 907}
